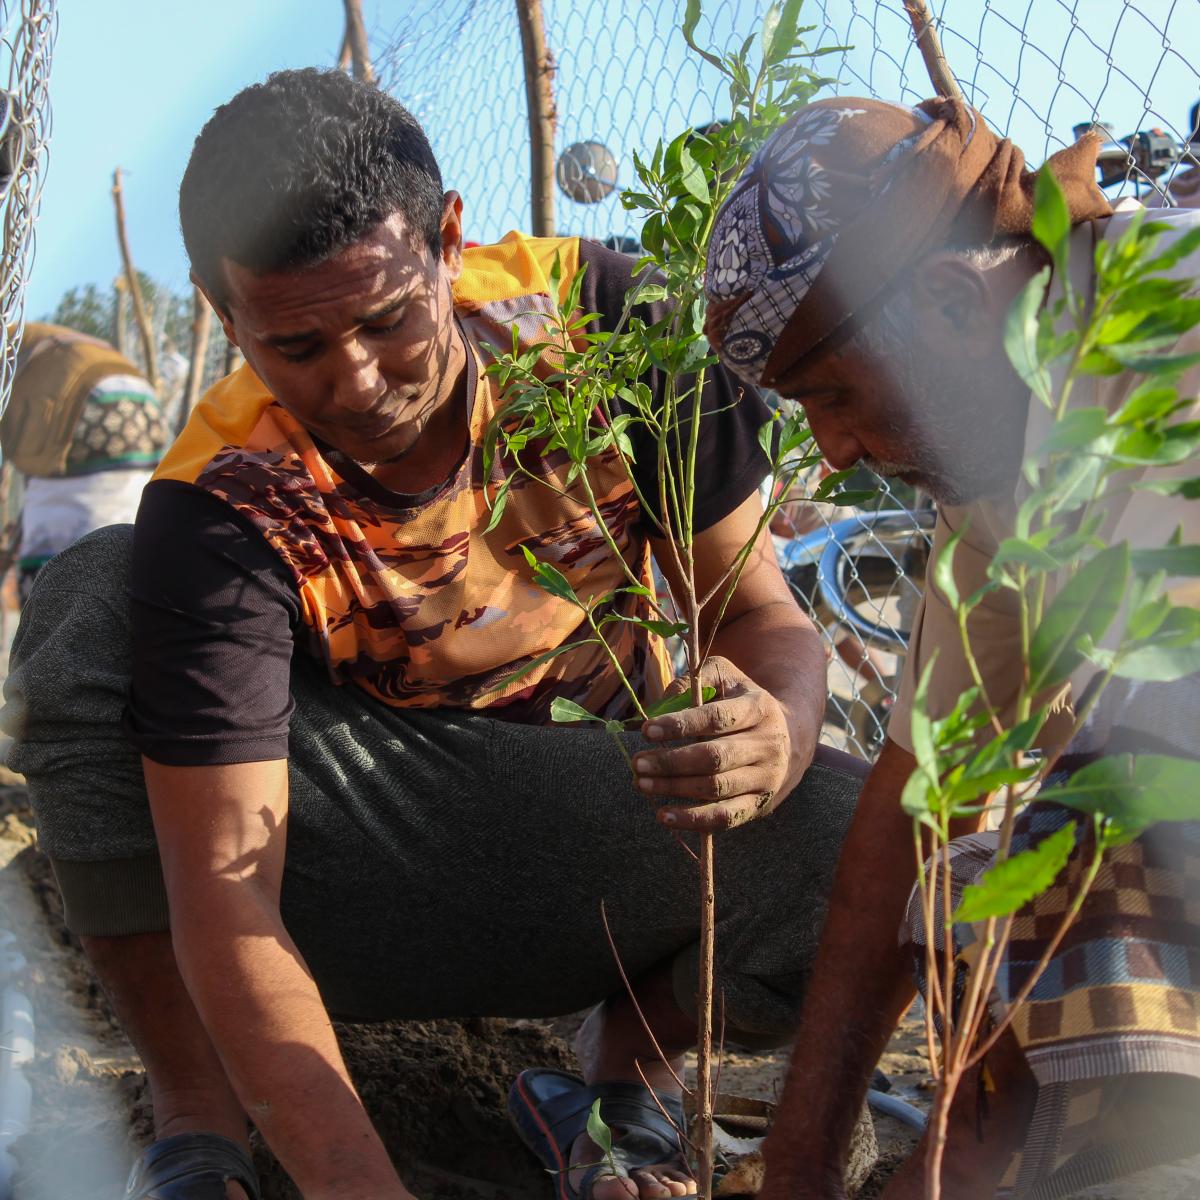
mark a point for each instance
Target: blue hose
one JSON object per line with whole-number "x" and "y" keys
{"x": 893, "y": 1106}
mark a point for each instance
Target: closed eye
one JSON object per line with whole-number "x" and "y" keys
{"x": 299, "y": 355}
{"x": 391, "y": 327}
{"x": 311, "y": 350}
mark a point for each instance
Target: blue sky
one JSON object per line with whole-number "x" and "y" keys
{"x": 133, "y": 81}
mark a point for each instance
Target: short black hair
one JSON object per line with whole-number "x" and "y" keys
{"x": 293, "y": 170}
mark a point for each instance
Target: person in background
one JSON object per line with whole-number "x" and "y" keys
{"x": 84, "y": 428}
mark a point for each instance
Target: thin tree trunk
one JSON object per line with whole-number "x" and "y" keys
{"x": 704, "y": 1005}
{"x": 356, "y": 39}
{"x": 145, "y": 329}
{"x": 201, "y": 327}
{"x": 930, "y": 45}
{"x": 344, "y": 57}
{"x": 539, "y": 93}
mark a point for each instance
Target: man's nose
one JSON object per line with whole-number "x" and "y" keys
{"x": 359, "y": 385}
{"x": 840, "y": 447}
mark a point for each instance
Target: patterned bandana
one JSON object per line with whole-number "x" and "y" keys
{"x": 896, "y": 182}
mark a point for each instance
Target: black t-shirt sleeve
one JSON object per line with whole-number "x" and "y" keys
{"x": 730, "y": 463}
{"x": 214, "y": 611}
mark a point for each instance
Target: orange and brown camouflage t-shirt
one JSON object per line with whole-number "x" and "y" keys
{"x": 413, "y": 599}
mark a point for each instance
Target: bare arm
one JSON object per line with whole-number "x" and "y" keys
{"x": 861, "y": 984}
{"x": 221, "y": 832}
{"x": 768, "y": 665}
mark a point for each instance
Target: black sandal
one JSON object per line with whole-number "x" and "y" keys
{"x": 550, "y": 1110}
{"x": 191, "y": 1166}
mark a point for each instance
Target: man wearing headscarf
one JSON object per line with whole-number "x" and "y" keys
{"x": 864, "y": 265}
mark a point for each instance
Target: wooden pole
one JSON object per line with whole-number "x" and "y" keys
{"x": 201, "y": 327}
{"x": 145, "y": 329}
{"x": 356, "y": 39}
{"x": 119, "y": 338}
{"x": 926, "y": 36}
{"x": 539, "y": 93}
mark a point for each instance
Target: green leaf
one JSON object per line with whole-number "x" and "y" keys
{"x": 551, "y": 579}
{"x": 1011, "y": 884}
{"x": 1019, "y": 551}
{"x": 674, "y": 704}
{"x": 499, "y": 503}
{"x": 662, "y": 628}
{"x": 1051, "y": 220}
{"x": 831, "y": 481}
{"x": 1086, "y": 605}
{"x": 921, "y": 728}
{"x": 943, "y": 567}
{"x": 565, "y": 711}
{"x": 1189, "y": 489}
{"x": 849, "y": 498}
{"x": 782, "y": 39}
{"x": 770, "y": 24}
{"x": 1174, "y": 560}
{"x": 1176, "y": 252}
{"x": 597, "y": 1130}
{"x": 691, "y": 176}
{"x": 1133, "y": 793}
{"x": 533, "y": 664}
{"x": 917, "y": 799}
{"x": 766, "y": 438}
{"x": 1170, "y": 652}
{"x": 1021, "y": 336}
{"x": 1077, "y": 429}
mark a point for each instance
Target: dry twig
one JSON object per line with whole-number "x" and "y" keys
{"x": 926, "y": 36}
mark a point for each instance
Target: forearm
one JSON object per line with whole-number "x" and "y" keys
{"x": 861, "y": 984}
{"x": 781, "y": 650}
{"x": 266, "y": 1019}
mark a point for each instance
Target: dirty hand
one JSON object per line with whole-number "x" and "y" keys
{"x": 747, "y": 758}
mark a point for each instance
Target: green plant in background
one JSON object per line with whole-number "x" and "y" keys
{"x": 594, "y": 398}
{"x": 1082, "y": 600}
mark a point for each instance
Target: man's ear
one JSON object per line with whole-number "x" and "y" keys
{"x": 222, "y": 312}
{"x": 953, "y": 306}
{"x": 452, "y": 234}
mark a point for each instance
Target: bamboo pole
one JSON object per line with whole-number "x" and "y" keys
{"x": 926, "y": 36}
{"x": 201, "y": 328}
{"x": 145, "y": 329}
{"x": 539, "y": 94}
{"x": 356, "y": 40}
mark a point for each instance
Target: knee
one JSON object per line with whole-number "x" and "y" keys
{"x": 73, "y": 640}
{"x": 97, "y": 565}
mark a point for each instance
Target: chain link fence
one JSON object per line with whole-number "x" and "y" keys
{"x": 27, "y": 32}
{"x": 1037, "y": 69}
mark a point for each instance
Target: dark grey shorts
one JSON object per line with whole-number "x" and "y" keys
{"x": 439, "y": 863}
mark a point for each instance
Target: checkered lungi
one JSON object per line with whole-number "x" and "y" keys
{"x": 1111, "y": 1030}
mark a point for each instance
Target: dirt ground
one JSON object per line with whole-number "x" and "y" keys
{"x": 435, "y": 1089}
